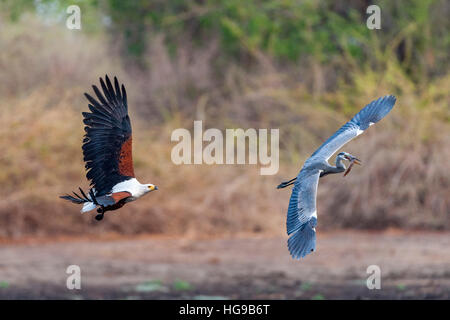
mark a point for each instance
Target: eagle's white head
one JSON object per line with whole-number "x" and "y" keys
{"x": 150, "y": 187}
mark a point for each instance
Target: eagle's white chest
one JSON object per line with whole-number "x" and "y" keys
{"x": 132, "y": 186}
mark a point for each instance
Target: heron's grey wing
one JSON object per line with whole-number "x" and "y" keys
{"x": 370, "y": 114}
{"x": 302, "y": 205}
{"x": 302, "y": 216}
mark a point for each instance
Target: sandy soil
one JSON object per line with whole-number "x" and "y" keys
{"x": 413, "y": 265}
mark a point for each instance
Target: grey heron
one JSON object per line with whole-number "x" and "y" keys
{"x": 302, "y": 214}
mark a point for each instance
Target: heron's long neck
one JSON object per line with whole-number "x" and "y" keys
{"x": 339, "y": 164}
{"x": 340, "y": 167}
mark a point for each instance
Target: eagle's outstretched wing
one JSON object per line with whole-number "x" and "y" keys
{"x": 107, "y": 144}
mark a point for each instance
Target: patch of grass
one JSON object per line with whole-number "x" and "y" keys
{"x": 180, "y": 285}
{"x": 150, "y": 286}
{"x": 4, "y": 284}
{"x": 318, "y": 297}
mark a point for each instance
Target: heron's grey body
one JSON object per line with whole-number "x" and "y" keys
{"x": 302, "y": 212}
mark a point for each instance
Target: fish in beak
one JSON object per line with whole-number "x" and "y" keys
{"x": 353, "y": 161}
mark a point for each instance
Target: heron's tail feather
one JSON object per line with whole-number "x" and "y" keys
{"x": 303, "y": 241}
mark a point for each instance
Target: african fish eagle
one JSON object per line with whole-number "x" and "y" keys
{"x": 107, "y": 153}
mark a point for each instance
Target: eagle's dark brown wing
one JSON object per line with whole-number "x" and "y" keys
{"x": 107, "y": 144}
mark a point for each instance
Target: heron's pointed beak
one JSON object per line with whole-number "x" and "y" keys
{"x": 357, "y": 161}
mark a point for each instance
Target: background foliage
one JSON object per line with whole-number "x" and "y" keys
{"x": 301, "y": 66}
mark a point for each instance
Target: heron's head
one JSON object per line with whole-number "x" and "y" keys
{"x": 150, "y": 187}
{"x": 349, "y": 157}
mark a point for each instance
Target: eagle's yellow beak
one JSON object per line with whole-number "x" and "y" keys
{"x": 152, "y": 187}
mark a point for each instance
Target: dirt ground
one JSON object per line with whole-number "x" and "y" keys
{"x": 414, "y": 265}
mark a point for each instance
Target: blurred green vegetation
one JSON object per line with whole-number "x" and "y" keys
{"x": 326, "y": 31}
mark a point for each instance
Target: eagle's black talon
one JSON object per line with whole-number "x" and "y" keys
{"x": 101, "y": 212}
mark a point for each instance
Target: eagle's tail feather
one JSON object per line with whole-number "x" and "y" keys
{"x": 88, "y": 206}
{"x": 89, "y": 202}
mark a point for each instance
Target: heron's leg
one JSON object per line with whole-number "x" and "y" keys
{"x": 286, "y": 183}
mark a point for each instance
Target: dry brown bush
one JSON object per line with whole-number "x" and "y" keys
{"x": 405, "y": 180}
